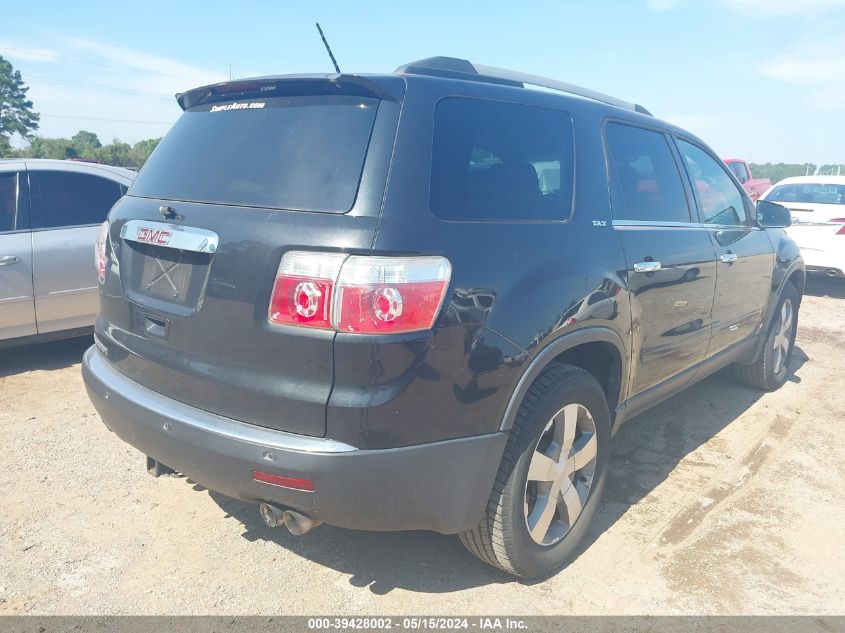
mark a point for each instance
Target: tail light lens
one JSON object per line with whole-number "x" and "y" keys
{"x": 100, "y": 257}
{"x": 390, "y": 294}
{"x": 842, "y": 230}
{"x": 359, "y": 294}
{"x": 302, "y": 292}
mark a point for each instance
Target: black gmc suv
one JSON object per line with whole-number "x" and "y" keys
{"x": 426, "y": 300}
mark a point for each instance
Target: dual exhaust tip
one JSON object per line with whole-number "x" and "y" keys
{"x": 296, "y": 522}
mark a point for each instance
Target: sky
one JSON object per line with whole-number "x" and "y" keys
{"x": 757, "y": 79}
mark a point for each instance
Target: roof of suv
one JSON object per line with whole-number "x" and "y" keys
{"x": 451, "y": 69}
{"x": 454, "y": 68}
{"x": 439, "y": 67}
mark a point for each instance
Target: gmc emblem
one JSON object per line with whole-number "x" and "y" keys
{"x": 159, "y": 237}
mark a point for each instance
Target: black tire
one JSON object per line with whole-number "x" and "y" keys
{"x": 502, "y": 538}
{"x": 765, "y": 373}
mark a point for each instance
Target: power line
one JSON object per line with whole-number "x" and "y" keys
{"x": 104, "y": 88}
{"x": 51, "y": 57}
{"x": 87, "y": 118}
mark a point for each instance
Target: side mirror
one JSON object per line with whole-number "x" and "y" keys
{"x": 773, "y": 216}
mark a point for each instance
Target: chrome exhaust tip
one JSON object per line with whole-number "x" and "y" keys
{"x": 832, "y": 272}
{"x": 272, "y": 516}
{"x": 297, "y": 523}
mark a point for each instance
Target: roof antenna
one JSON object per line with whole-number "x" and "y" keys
{"x": 328, "y": 48}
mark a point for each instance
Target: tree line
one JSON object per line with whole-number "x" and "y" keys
{"x": 86, "y": 146}
{"x": 779, "y": 171}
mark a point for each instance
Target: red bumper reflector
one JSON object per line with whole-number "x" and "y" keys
{"x": 293, "y": 483}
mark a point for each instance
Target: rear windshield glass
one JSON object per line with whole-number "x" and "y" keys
{"x": 298, "y": 153}
{"x": 494, "y": 160}
{"x": 819, "y": 193}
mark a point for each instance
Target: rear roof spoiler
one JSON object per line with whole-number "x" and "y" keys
{"x": 455, "y": 68}
{"x": 292, "y": 85}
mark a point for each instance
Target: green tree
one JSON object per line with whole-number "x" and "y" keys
{"x": 116, "y": 153}
{"x": 779, "y": 171}
{"x": 832, "y": 170}
{"x": 16, "y": 114}
{"x": 141, "y": 151}
{"x": 85, "y": 143}
{"x": 41, "y": 147}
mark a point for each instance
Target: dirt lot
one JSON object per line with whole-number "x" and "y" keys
{"x": 721, "y": 500}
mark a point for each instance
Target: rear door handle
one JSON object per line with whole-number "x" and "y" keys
{"x": 647, "y": 267}
{"x": 728, "y": 258}
{"x": 8, "y": 260}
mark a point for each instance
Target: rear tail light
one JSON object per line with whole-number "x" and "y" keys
{"x": 302, "y": 292}
{"x": 359, "y": 294}
{"x": 390, "y": 294}
{"x": 842, "y": 230}
{"x": 100, "y": 258}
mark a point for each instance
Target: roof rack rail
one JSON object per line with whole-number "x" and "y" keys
{"x": 463, "y": 69}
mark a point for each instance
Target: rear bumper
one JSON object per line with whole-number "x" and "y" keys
{"x": 830, "y": 271}
{"x": 825, "y": 255}
{"x": 441, "y": 486}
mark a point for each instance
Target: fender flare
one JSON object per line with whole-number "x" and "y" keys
{"x": 796, "y": 265}
{"x": 551, "y": 351}
{"x": 771, "y": 312}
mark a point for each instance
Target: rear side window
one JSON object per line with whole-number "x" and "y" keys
{"x": 299, "y": 153}
{"x": 646, "y": 182}
{"x": 500, "y": 161}
{"x": 61, "y": 198}
{"x": 721, "y": 201}
{"x": 8, "y": 201}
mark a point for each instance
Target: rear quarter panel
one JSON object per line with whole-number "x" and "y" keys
{"x": 516, "y": 286}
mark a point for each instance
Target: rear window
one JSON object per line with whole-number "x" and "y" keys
{"x": 500, "y": 161}
{"x": 297, "y": 153}
{"x": 816, "y": 192}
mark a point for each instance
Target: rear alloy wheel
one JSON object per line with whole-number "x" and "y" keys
{"x": 551, "y": 476}
{"x": 782, "y": 341}
{"x": 560, "y": 474}
{"x": 771, "y": 368}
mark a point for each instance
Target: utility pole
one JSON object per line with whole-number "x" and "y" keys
{"x": 230, "y": 73}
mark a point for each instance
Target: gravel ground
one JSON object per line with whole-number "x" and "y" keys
{"x": 722, "y": 500}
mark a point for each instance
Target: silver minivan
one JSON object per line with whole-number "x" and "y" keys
{"x": 50, "y": 213}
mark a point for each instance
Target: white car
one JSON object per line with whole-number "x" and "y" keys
{"x": 818, "y": 219}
